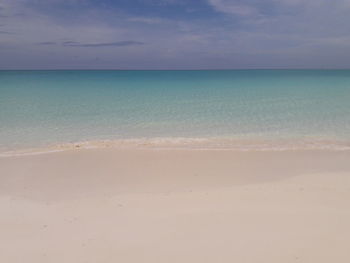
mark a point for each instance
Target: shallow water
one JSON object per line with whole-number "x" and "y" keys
{"x": 221, "y": 108}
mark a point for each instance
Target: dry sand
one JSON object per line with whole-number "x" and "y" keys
{"x": 133, "y": 205}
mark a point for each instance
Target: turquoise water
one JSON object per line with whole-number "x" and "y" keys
{"x": 39, "y": 108}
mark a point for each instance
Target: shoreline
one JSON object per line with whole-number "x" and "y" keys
{"x": 185, "y": 143}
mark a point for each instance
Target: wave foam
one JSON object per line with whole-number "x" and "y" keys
{"x": 190, "y": 143}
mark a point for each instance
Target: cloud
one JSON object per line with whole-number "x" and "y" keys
{"x": 6, "y": 32}
{"x": 103, "y": 44}
{"x": 222, "y": 34}
{"x": 146, "y": 20}
{"x": 107, "y": 44}
{"x": 46, "y": 43}
{"x": 233, "y": 7}
{"x": 70, "y": 42}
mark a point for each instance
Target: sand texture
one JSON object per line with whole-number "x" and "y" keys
{"x": 133, "y": 205}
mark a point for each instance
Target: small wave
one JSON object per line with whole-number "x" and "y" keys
{"x": 190, "y": 144}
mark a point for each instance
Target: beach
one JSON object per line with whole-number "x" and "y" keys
{"x": 173, "y": 131}
{"x": 174, "y": 166}
{"x": 175, "y": 205}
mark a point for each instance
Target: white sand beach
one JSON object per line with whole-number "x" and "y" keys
{"x": 147, "y": 205}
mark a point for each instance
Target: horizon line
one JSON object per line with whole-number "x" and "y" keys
{"x": 204, "y": 69}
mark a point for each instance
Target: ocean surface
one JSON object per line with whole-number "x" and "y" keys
{"x": 229, "y": 108}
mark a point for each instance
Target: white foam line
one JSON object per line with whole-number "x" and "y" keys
{"x": 187, "y": 144}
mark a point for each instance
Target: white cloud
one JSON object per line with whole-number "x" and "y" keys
{"x": 146, "y": 20}
{"x": 232, "y": 7}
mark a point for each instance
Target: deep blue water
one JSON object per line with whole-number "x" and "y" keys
{"x": 39, "y": 108}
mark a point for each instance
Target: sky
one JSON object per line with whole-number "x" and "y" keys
{"x": 174, "y": 34}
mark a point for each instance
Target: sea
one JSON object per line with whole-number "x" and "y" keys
{"x": 217, "y": 109}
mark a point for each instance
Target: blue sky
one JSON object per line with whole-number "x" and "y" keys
{"x": 174, "y": 34}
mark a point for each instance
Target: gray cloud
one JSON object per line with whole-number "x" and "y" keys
{"x": 79, "y": 44}
{"x": 48, "y": 43}
{"x": 67, "y": 43}
{"x": 6, "y": 32}
{"x": 234, "y": 34}
{"x": 107, "y": 44}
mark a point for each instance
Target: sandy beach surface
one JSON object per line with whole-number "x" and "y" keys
{"x": 147, "y": 205}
